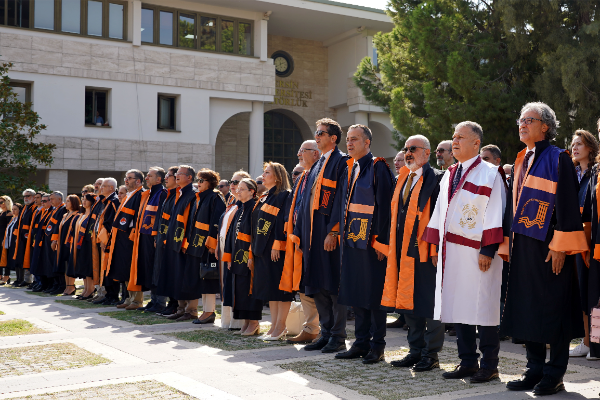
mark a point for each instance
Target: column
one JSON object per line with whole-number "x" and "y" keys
{"x": 361, "y": 117}
{"x": 137, "y": 23}
{"x": 256, "y": 139}
{"x": 58, "y": 180}
{"x": 260, "y": 39}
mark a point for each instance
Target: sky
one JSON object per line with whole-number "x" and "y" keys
{"x": 367, "y": 3}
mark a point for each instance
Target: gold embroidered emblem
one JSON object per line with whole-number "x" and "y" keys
{"x": 164, "y": 228}
{"x": 198, "y": 240}
{"x": 468, "y": 218}
{"x": 539, "y": 218}
{"x": 264, "y": 229}
{"x": 244, "y": 256}
{"x": 179, "y": 233}
{"x": 362, "y": 232}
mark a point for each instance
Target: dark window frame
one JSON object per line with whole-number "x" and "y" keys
{"x": 198, "y": 16}
{"x": 83, "y": 19}
{"x": 26, "y": 85}
{"x": 95, "y": 90}
{"x": 175, "y": 99}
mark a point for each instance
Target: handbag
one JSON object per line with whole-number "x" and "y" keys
{"x": 209, "y": 271}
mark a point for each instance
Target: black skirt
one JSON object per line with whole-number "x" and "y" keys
{"x": 267, "y": 275}
{"x": 245, "y": 306}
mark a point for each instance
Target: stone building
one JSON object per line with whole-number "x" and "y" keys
{"x": 224, "y": 84}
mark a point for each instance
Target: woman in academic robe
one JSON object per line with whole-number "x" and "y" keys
{"x": 268, "y": 247}
{"x": 236, "y": 255}
{"x": 201, "y": 242}
{"x": 80, "y": 261}
{"x": 6, "y": 217}
{"x": 227, "y": 319}
{"x": 9, "y": 244}
{"x": 63, "y": 244}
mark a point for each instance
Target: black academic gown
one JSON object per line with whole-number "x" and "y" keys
{"x": 541, "y": 306}
{"x": 245, "y": 306}
{"x": 24, "y": 227}
{"x": 173, "y": 258}
{"x": 37, "y": 238}
{"x": 81, "y": 264}
{"x": 64, "y": 244}
{"x": 48, "y": 255}
{"x": 268, "y": 233}
{"x": 362, "y": 274}
{"x": 161, "y": 224}
{"x": 320, "y": 268}
{"x": 591, "y": 285}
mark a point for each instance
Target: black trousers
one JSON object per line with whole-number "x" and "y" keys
{"x": 112, "y": 289}
{"x": 20, "y": 272}
{"x": 425, "y": 336}
{"x": 369, "y": 329}
{"x": 489, "y": 345}
{"x": 60, "y": 281}
{"x": 332, "y": 316}
{"x": 556, "y": 365}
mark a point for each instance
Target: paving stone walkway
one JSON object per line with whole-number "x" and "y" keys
{"x": 86, "y": 355}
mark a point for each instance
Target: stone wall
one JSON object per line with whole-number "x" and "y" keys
{"x": 92, "y": 59}
{"x": 231, "y": 149}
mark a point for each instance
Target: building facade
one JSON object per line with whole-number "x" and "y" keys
{"x": 223, "y": 84}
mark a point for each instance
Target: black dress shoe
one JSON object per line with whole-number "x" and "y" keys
{"x": 548, "y": 385}
{"x": 527, "y": 382}
{"x": 16, "y": 283}
{"x": 23, "y": 284}
{"x": 460, "y": 372}
{"x": 485, "y": 375}
{"x": 38, "y": 289}
{"x": 334, "y": 345}
{"x": 318, "y": 345}
{"x": 101, "y": 301}
{"x": 50, "y": 289}
{"x": 56, "y": 291}
{"x": 168, "y": 311}
{"x": 207, "y": 320}
{"x": 406, "y": 362}
{"x": 146, "y": 307}
{"x": 399, "y": 323}
{"x": 426, "y": 364}
{"x": 354, "y": 352}
{"x": 121, "y": 301}
{"x": 155, "y": 308}
{"x": 373, "y": 357}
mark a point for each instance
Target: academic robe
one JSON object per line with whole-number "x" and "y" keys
{"x": 268, "y": 234}
{"x": 63, "y": 252}
{"x": 226, "y": 275}
{"x": 201, "y": 236}
{"x": 142, "y": 265}
{"x": 320, "y": 268}
{"x": 237, "y": 254}
{"x": 464, "y": 225}
{"x": 121, "y": 238}
{"x": 362, "y": 274}
{"x": 591, "y": 222}
{"x": 410, "y": 279}
{"x": 161, "y": 224}
{"x": 35, "y": 238}
{"x": 9, "y": 244}
{"x": 173, "y": 257}
{"x": 80, "y": 262}
{"x": 97, "y": 210}
{"x": 541, "y": 306}
{"x": 103, "y": 231}
{"x": 22, "y": 253}
{"x": 50, "y": 233}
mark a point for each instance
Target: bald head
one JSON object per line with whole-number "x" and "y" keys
{"x": 308, "y": 154}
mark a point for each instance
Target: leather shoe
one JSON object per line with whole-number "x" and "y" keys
{"x": 373, "y": 357}
{"x": 168, "y": 311}
{"x": 146, "y": 307}
{"x": 132, "y": 306}
{"x": 406, "y": 362}
{"x": 174, "y": 316}
{"x": 207, "y": 320}
{"x": 460, "y": 372}
{"x": 122, "y": 305}
{"x": 155, "y": 308}
{"x": 334, "y": 345}
{"x": 399, "y": 323}
{"x": 186, "y": 317}
{"x": 527, "y": 382}
{"x": 303, "y": 337}
{"x": 426, "y": 364}
{"x": 354, "y": 352}
{"x": 484, "y": 375}
{"x": 548, "y": 385}
{"x": 318, "y": 345}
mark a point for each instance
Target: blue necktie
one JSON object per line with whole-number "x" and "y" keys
{"x": 456, "y": 179}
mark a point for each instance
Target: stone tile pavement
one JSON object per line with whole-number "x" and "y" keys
{"x": 145, "y": 363}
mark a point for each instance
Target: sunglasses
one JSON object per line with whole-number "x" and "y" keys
{"x": 296, "y": 173}
{"x": 84, "y": 191}
{"x": 1, "y": 203}
{"x": 412, "y": 149}
{"x": 441, "y": 150}
{"x": 320, "y": 133}
{"x": 259, "y": 182}
{"x": 45, "y": 201}
{"x": 222, "y": 186}
{"x": 201, "y": 180}
{"x": 236, "y": 182}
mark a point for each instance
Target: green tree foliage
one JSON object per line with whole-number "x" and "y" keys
{"x": 19, "y": 151}
{"x": 448, "y": 61}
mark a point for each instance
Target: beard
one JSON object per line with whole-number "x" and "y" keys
{"x": 440, "y": 162}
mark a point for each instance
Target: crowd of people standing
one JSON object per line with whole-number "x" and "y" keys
{"x": 492, "y": 250}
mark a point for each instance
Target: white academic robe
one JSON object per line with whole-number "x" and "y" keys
{"x": 472, "y": 219}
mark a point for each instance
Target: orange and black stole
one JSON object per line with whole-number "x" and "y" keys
{"x": 292, "y": 264}
{"x": 398, "y": 291}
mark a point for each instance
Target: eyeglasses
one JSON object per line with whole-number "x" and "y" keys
{"x": 222, "y": 186}
{"x": 45, "y": 201}
{"x": 236, "y": 182}
{"x": 527, "y": 121}
{"x": 1, "y": 203}
{"x": 27, "y": 195}
{"x": 85, "y": 191}
{"x": 305, "y": 150}
{"x": 169, "y": 176}
{"x": 320, "y": 133}
{"x": 259, "y": 182}
{"x": 412, "y": 149}
{"x": 296, "y": 173}
{"x": 201, "y": 180}
{"x": 441, "y": 150}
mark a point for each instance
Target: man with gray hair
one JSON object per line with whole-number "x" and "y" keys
{"x": 492, "y": 154}
{"x": 410, "y": 280}
{"x": 399, "y": 161}
{"x": 542, "y": 300}
{"x": 97, "y": 185}
{"x": 443, "y": 154}
{"x": 22, "y": 251}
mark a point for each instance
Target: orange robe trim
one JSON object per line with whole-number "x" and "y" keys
{"x": 398, "y": 291}
{"x": 292, "y": 264}
{"x": 132, "y": 284}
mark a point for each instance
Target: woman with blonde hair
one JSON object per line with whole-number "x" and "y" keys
{"x": 268, "y": 242}
{"x": 6, "y": 218}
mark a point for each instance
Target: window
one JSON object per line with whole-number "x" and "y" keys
{"x": 98, "y": 18}
{"x": 96, "y": 107}
{"x": 166, "y": 112}
{"x": 192, "y": 30}
{"x": 22, "y": 90}
{"x": 282, "y": 139}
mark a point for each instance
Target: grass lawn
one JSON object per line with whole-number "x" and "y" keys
{"x": 16, "y": 327}
{"x": 226, "y": 340}
{"x": 24, "y": 360}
